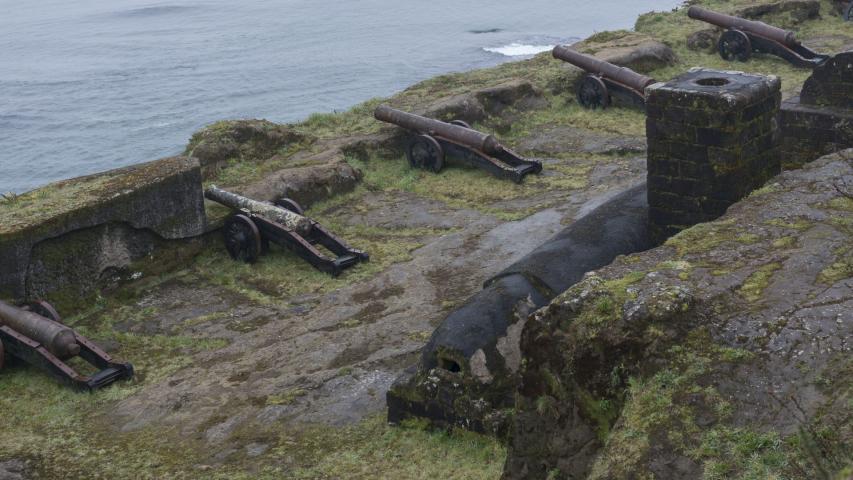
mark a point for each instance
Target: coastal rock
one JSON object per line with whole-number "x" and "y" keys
{"x": 727, "y": 349}
{"x": 13, "y": 470}
{"x": 491, "y": 101}
{"x": 637, "y": 51}
{"x": 703, "y": 40}
{"x": 783, "y": 14}
{"x": 239, "y": 140}
{"x": 48, "y": 235}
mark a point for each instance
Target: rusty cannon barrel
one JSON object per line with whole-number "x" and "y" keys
{"x": 465, "y": 136}
{"x": 55, "y": 337}
{"x": 770, "y": 32}
{"x": 623, "y": 75}
{"x": 291, "y": 220}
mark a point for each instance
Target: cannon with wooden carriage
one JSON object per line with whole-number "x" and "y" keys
{"x": 604, "y": 81}
{"x": 34, "y": 333}
{"x": 744, "y": 37}
{"x": 433, "y": 139}
{"x": 250, "y": 229}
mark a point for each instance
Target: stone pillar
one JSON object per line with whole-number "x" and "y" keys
{"x": 712, "y": 139}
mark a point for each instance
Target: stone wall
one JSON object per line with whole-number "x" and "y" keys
{"x": 61, "y": 241}
{"x": 820, "y": 120}
{"x": 712, "y": 138}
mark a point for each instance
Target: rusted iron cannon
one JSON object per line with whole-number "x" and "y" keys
{"x": 604, "y": 80}
{"x": 35, "y": 334}
{"x": 254, "y": 225}
{"x": 743, "y": 37}
{"x": 434, "y": 139}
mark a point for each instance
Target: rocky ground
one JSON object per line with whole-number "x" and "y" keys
{"x": 276, "y": 370}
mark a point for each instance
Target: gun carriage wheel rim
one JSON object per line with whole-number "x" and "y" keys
{"x": 735, "y": 45}
{"x": 291, "y": 205}
{"x": 242, "y": 238}
{"x": 425, "y": 152}
{"x": 592, "y": 93}
{"x": 460, "y": 123}
{"x": 2, "y": 356}
{"x": 45, "y": 309}
{"x": 848, "y": 12}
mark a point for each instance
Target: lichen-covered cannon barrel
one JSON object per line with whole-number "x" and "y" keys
{"x": 743, "y": 37}
{"x": 26, "y": 334}
{"x": 57, "y": 338}
{"x": 433, "y": 139}
{"x": 468, "y": 369}
{"x": 604, "y": 80}
{"x": 248, "y": 232}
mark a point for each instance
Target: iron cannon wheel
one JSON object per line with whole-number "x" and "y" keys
{"x": 45, "y": 309}
{"x": 425, "y": 152}
{"x": 242, "y": 238}
{"x": 593, "y": 93}
{"x": 2, "y": 356}
{"x": 460, "y": 123}
{"x": 735, "y": 45}
{"x": 848, "y": 12}
{"x": 291, "y": 205}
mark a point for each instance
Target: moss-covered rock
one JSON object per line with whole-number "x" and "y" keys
{"x": 737, "y": 367}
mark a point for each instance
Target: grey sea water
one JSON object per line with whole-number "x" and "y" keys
{"x": 90, "y": 85}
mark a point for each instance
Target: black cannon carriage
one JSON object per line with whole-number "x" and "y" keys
{"x": 433, "y": 140}
{"x": 743, "y": 37}
{"x": 34, "y": 334}
{"x": 249, "y": 231}
{"x": 604, "y": 81}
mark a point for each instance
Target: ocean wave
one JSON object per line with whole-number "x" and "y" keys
{"x": 518, "y": 49}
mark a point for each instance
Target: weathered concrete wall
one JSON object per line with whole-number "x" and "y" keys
{"x": 73, "y": 231}
{"x": 712, "y": 138}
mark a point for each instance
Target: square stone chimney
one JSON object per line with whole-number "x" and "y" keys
{"x": 712, "y": 139}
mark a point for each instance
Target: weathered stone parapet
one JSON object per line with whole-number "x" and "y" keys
{"x": 116, "y": 215}
{"x": 712, "y": 138}
{"x": 831, "y": 83}
{"x": 820, "y": 120}
{"x": 809, "y": 132}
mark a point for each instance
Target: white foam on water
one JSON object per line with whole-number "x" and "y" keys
{"x": 518, "y": 49}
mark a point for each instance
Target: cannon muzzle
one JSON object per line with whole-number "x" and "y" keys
{"x": 55, "y": 337}
{"x": 623, "y": 75}
{"x": 287, "y": 218}
{"x": 770, "y": 32}
{"x": 465, "y": 136}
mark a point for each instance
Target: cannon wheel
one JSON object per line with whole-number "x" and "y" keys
{"x": 291, "y": 205}
{"x": 45, "y": 309}
{"x": 460, "y": 123}
{"x": 735, "y": 45}
{"x": 242, "y": 238}
{"x": 592, "y": 93}
{"x": 425, "y": 152}
{"x": 848, "y": 12}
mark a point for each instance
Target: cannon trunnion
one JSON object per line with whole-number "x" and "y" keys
{"x": 35, "y": 334}
{"x": 434, "y": 140}
{"x": 248, "y": 232}
{"x": 604, "y": 81}
{"x": 743, "y": 37}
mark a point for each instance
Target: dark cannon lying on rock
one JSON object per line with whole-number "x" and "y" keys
{"x": 35, "y": 334}
{"x": 434, "y": 139}
{"x": 743, "y": 37}
{"x": 248, "y": 232}
{"x": 605, "y": 81}
{"x": 468, "y": 371}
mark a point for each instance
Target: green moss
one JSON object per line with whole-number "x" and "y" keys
{"x": 799, "y": 224}
{"x": 785, "y": 242}
{"x": 839, "y": 270}
{"x": 702, "y": 237}
{"x": 753, "y": 288}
